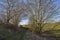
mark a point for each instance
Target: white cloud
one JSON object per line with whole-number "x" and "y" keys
{"x": 23, "y": 22}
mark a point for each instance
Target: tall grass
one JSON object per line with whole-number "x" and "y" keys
{"x": 4, "y": 33}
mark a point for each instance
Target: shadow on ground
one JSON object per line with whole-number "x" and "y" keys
{"x": 23, "y": 34}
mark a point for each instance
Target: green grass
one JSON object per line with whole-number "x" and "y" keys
{"x": 20, "y": 36}
{"x": 11, "y": 36}
{"x": 49, "y": 26}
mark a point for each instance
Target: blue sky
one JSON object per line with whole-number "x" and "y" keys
{"x": 23, "y": 22}
{"x": 57, "y": 4}
{"x": 56, "y": 19}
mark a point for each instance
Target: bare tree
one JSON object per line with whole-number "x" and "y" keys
{"x": 6, "y": 9}
{"x": 41, "y": 12}
{"x": 10, "y": 9}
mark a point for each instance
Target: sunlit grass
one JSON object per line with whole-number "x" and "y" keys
{"x": 48, "y": 27}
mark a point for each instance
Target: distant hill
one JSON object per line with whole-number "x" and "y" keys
{"x": 48, "y": 26}
{"x": 52, "y": 26}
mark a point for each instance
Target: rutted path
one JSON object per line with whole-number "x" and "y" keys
{"x": 31, "y": 36}
{"x": 23, "y": 34}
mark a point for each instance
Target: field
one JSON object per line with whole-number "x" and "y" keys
{"x": 16, "y": 36}
{"x": 49, "y": 26}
